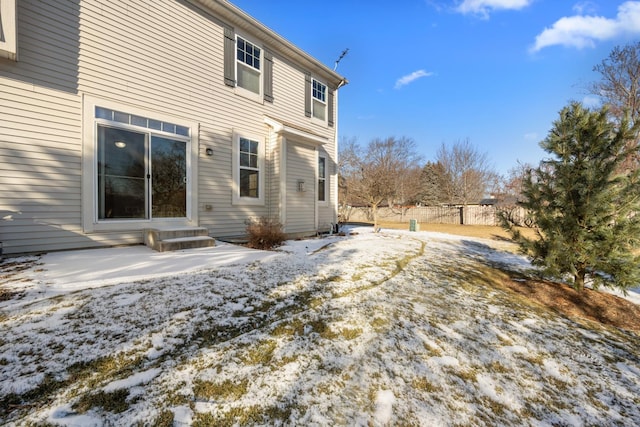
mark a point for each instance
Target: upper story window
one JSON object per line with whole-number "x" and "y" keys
{"x": 319, "y": 95}
{"x": 318, "y": 100}
{"x": 248, "y": 68}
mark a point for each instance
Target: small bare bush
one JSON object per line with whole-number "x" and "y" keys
{"x": 265, "y": 233}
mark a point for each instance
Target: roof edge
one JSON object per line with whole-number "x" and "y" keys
{"x": 237, "y": 17}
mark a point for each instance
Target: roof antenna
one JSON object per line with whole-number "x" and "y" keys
{"x": 342, "y": 55}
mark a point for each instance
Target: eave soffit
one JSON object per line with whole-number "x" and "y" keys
{"x": 239, "y": 19}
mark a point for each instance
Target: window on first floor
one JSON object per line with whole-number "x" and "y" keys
{"x": 248, "y": 170}
{"x": 8, "y": 29}
{"x": 141, "y": 167}
{"x": 322, "y": 179}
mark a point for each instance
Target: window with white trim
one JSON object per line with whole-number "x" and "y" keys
{"x": 141, "y": 167}
{"x": 248, "y": 65}
{"x": 322, "y": 179}
{"x": 248, "y": 170}
{"x": 8, "y": 29}
{"x": 319, "y": 96}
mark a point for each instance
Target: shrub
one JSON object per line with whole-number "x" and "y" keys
{"x": 264, "y": 233}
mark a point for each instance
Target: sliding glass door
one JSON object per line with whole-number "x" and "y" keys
{"x": 168, "y": 178}
{"x": 140, "y": 175}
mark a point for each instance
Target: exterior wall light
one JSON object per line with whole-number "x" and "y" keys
{"x": 209, "y": 152}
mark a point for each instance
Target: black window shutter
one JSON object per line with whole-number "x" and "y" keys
{"x": 229, "y": 57}
{"x": 268, "y": 76}
{"x": 307, "y": 94}
{"x": 330, "y": 106}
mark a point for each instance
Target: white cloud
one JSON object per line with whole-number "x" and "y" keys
{"x": 584, "y": 31}
{"x": 584, "y": 7}
{"x": 410, "y": 78}
{"x": 483, "y": 7}
{"x": 531, "y": 136}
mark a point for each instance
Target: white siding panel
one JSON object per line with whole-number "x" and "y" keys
{"x": 300, "y": 205}
{"x": 40, "y": 131}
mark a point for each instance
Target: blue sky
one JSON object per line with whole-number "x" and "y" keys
{"x": 438, "y": 71}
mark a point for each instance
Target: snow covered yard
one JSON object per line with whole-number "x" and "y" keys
{"x": 394, "y": 328}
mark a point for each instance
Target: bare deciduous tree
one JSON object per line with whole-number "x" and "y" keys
{"x": 619, "y": 86}
{"x": 619, "y": 89}
{"x": 385, "y": 170}
{"x": 467, "y": 172}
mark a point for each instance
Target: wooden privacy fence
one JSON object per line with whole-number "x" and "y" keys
{"x": 470, "y": 215}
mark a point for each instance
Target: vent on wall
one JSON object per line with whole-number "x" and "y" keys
{"x": 8, "y": 30}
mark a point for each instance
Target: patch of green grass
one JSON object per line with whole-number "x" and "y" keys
{"x": 379, "y": 324}
{"x": 424, "y": 384}
{"x": 42, "y": 392}
{"x": 164, "y": 419}
{"x": 469, "y": 375}
{"x": 289, "y": 328}
{"x": 227, "y": 389}
{"x": 350, "y": 334}
{"x": 321, "y": 327}
{"x": 206, "y": 419}
{"x": 115, "y": 401}
{"x": 357, "y": 276}
{"x": 252, "y": 415}
{"x": 535, "y": 359}
{"x": 432, "y": 350}
{"x": 261, "y": 354}
{"x": 497, "y": 367}
{"x": 296, "y": 327}
{"x": 174, "y": 398}
{"x": 496, "y": 408}
{"x": 402, "y": 263}
{"x": 105, "y": 368}
{"x": 330, "y": 279}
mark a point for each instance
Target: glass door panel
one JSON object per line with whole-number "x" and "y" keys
{"x": 168, "y": 178}
{"x": 121, "y": 174}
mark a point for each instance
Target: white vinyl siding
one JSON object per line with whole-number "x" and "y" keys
{"x": 301, "y": 205}
{"x": 164, "y": 58}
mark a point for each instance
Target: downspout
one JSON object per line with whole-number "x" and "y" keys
{"x": 335, "y": 138}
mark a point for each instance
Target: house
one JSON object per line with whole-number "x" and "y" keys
{"x": 121, "y": 116}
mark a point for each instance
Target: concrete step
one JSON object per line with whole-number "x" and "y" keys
{"x": 173, "y": 239}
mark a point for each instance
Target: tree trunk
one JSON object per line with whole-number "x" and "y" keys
{"x": 578, "y": 279}
{"x": 374, "y": 212}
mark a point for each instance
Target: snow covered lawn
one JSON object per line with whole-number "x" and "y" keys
{"x": 394, "y": 328}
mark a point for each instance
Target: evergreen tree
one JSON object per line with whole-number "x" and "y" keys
{"x": 432, "y": 184}
{"x": 586, "y": 210}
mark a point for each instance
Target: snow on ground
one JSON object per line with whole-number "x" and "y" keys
{"x": 370, "y": 329}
